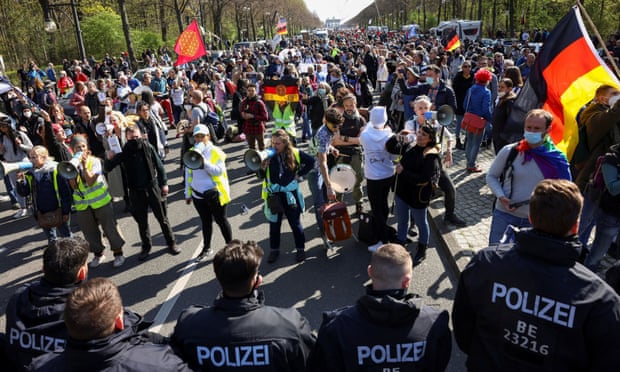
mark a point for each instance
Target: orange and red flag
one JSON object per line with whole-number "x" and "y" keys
{"x": 189, "y": 45}
{"x": 564, "y": 77}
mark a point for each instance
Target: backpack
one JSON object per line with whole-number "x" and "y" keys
{"x": 212, "y": 121}
{"x": 336, "y": 221}
{"x": 596, "y": 184}
{"x": 507, "y": 171}
{"x": 366, "y": 230}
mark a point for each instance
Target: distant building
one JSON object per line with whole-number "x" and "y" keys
{"x": 332, "y": 23}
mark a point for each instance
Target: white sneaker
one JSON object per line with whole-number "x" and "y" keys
{"x": 4, "y": 198}
{"x": 374, "y": 247}
{"x": 20, "y": 213}
{"x": 97, "y": 260}
{"x": 118, "y": 261}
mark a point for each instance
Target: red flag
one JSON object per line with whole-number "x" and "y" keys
{"x": 189, "y": 45}
{"x": 560, "y": 90}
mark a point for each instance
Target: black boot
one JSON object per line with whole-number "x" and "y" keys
{"x": 420, "y": 254}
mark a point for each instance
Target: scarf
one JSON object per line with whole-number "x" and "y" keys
{"x": 550, "y": 160}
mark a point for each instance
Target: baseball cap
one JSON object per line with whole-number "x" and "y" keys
{"x": 201, "y": 129}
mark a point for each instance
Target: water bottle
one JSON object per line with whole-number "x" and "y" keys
{"x": 244, "y": 210}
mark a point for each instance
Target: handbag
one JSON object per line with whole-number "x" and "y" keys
{"x": 274, "y": 203}
{"x": 211, "y": 197}
{"x": 51, "y": 219}
{"x": 471, "y": 122}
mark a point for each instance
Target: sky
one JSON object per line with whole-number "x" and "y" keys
{"x": 342, "y": 9}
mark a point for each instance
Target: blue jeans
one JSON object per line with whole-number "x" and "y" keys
{"x": 402, "y": 218}
{"x": 10, "y": 189}
{"x": 607, "y": 227}
{"x": 472, "y": 147}
{"x": 62, "y": 231}
{"x": 292, "y": 214}
{"x": 500, "y": 222}
{"x": 306, "y": 129}
{"x": 587, "y": 220}
{"x": 315, "y": 182}
{"x": 457, "y": 128}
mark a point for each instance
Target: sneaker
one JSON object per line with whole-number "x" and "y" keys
{"x": 455, "y": 220}
{"x": 413, "y": 231}
{"x": 475, "y": 169}
{"x": 20, "y": 213}
{"x": 204, "y": 254}
{"x": 300, "y": 256}
{"x": 273, "y": 256}
{"x": 373, "y": 248}
{"x": 173, "y": 249}
{"x": 118, "y": 261}
{"x": 4, "y": 198}
{"x": 97, "y": 260}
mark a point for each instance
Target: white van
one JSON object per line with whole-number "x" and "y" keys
{"x": 471, "y": 30}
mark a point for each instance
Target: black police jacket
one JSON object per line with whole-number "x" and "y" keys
{"x": 385, "y": 330}
{"x": 532, "y": 307}
{"x": 131, "y": 349}
{"x": 34, "y": 323}
{"x": 242, "y": 334}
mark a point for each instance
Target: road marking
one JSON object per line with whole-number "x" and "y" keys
{"x": 175, "y": 293}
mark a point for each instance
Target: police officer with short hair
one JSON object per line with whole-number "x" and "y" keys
{"x": 34, "y": 321}
{"x": 239, "y": 331}
{"x": 387, "y": 329}
{"x": 531, "y": 306}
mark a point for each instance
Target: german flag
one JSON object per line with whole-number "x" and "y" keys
{"x": 281, "y": 91}
{"x": 453, "y": 41}
{"x": 564, "y": 77}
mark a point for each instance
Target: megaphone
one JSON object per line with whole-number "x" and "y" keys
{"x": 100, "y": 129}
{"x": 6, "y": 168}
{"x": 193, "y": 160}
{"x": 253, "y": 158}
{"x": 69, "y": 169}
{"x": 444, "y": 115}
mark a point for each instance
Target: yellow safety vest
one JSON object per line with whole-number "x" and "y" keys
{"x": 95, "y": 196}
{"x": 265, "y": 192}
{"x": 284, "y": 120}
{"x": 221, "y": 181}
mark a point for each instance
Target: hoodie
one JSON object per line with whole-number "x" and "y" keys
{"x": 378, "y": 163}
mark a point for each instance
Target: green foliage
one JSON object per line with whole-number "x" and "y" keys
{"x": 103, "y": 33}
{"x": 146, "y": 39}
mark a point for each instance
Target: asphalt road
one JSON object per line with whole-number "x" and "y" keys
{"x": 161, "y": 287}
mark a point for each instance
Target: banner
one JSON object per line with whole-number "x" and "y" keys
{"x": 564, "y": 77}
{"x": 189, "y": 45}
{"x": 281, "y": 27}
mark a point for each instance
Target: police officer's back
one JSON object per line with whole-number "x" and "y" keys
{"x": 239, "y": 332}
{"x": 532, "y": 306}
{"x": 387, "y": 329}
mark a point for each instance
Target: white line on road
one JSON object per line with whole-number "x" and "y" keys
{"x": 175, "y": 293}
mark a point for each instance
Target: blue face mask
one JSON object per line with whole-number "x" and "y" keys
{"x": 430, "y": 80}
{"x": 533, "y": 138}
{"x": 322, "y": 92}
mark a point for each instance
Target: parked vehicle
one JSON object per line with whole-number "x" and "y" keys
{"x": 465, "y": 29}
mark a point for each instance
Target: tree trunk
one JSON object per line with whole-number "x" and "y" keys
{"x": 162, "y": 20}
{"x": 125, "y": 20}
{"x": 177, "y": 13}
{"x": 493, "y": 17}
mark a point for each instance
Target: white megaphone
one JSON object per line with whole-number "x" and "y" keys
{"x": 69, "y": 169}
{"x": 253, "y": 158}
{"x": 193, "y": 159}
{"x": 6, "y": 168}
{"x": 444, "y": 115}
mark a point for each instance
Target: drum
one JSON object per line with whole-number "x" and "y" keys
{"x": 342, "y": 178}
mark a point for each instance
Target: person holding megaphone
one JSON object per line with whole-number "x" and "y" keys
{"x": 208, "y": 188}
{"x": 93, "y": 204}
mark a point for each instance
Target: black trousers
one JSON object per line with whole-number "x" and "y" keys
{"x": 447, "y": 186}
{"x": 141, "y": 200}
{"x": 378, "y": 191}
{"x": 209, "y": 213}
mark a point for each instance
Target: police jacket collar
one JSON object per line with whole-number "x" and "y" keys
{"x": 390, "y": 308}
{"x": 107, "y": 351}
{"x": 43, "y": 302}
{"x": 253, "y": 301}
{"x": 553, "y": 249}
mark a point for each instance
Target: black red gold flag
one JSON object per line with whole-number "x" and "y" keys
{"x": 453, "y": 41}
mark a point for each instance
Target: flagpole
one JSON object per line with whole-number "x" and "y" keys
{"x": 598, "y": 36}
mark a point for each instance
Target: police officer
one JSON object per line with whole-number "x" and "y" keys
{"x": 531, "y": 306}
{"x": 348, "y": 143}
{"x": 387, "y": 329}
{"x": 34, "y": 321}
{"x": 239, "y": 331}
{"x": 117, "y": 341}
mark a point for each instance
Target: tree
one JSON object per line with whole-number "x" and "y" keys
{"x": 127, "y": 32}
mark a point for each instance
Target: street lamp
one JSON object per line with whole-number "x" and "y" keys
{"x": 50, "y": 25}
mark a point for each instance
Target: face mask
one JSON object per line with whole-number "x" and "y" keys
{"x": 430, "y": 80}
{"x": 187, "y": 107}
{"x": 322, "y": 92}
{"x": 501, "y": 94}
{"x": 614, "y": 99}
{"x": 68, "y": 132}
{"x": 533, "y": 138}
{"x": 27, "y": 114}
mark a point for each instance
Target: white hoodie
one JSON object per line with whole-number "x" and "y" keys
{"x": 378, "y": 163}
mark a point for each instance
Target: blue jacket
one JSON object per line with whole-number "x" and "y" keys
{"x": 478, "y": 101}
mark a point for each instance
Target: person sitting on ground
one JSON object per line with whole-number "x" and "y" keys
{"x": 385, "y": 322}
{"x": 103, "y": 336}
{"x": 34, "y": 312}
{"x": 270, "y": 338}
